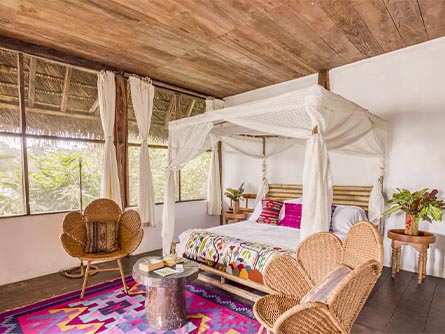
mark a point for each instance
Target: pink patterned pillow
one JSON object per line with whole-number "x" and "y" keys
{"x": 292, "y": 215}
{"x": 271, "y": 211}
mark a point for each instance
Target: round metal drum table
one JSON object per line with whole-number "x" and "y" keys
{"x": 165, "y": 298}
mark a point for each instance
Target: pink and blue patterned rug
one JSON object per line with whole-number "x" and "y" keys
{"x": 107, "y": 309}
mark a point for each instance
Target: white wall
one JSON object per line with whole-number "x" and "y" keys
{"x": 406, "y": 88}
{"x": 30, "y": 246}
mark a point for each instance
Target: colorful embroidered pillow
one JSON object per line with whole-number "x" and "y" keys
{"x": 271, "y": 211}
{"x": 292, "y": 215}
{"x": 102, "y": 237}
{"x": 322, "y": 292}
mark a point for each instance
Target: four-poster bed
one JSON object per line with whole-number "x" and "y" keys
{"x": 249, "y": 237}
{"x": 314, "y": 117}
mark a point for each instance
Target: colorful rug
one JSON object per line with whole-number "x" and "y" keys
{"x": 107, "y": 309}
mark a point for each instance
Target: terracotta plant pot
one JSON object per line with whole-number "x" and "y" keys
{"x": 411, "y": 224}
{"x": 235, "y": 206}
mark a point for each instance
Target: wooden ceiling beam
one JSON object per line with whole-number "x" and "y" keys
{"x": 66, "y": 88}
{"x": 49, "y": 112}
{"x": 170, "y": 110}
{"x": 12, "y": 70}
{"x": 94, "y": 107}
{"x": 32, "y": 81}
{"x": 323, "y": 79}
{"x": 190, "y": 107}
{"x": 52, "y": 54}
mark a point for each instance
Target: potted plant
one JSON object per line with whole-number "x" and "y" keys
{"x": 235, "y": 195}
{"x": 419, "y": 205}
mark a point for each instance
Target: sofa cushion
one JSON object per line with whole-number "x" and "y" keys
{"x": 323, "y": 292}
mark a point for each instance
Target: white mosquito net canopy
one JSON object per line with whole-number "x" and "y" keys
{"x": 312, "y": 116}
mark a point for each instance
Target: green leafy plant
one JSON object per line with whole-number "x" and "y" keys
{"x": 235, "y": 194}
{"x": 423, "y": 204}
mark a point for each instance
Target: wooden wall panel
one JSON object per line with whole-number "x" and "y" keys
{"x": 219, "y": 47}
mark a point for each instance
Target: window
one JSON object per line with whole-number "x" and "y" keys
{"x": 54, "y": 174}
{"x": 11, "y": 186}
{"x": 41, "y": 145}
{"x": 62, "y": 126}
{"x": 194, "y": 177}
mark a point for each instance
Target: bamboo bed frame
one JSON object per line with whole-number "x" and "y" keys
{"x": 343, "y": 195}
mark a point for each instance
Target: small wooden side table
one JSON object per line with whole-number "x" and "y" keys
{"x": 230, "y": 217}
{"x": 420, "y": 242}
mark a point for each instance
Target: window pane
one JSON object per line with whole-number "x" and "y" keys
{"x": 194, "y": 178}
{"x": 158, "y": 158}
{"x": 11, "y": 187}
{"x": 61, "y": 101}
{"x": 133, "y": 174}
{"x": 54, "y": 173}
{"x": 9, "y": 94}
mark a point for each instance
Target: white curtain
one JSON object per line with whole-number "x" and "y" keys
{"x": 317, "y": 188}
{"x": 214, "y": 104}
{"x": 264, "y": 186}
{"x": 142, "y": 94}
{"x": 376, "y": 204}
{"x": 184, "y": 143}
{"x": 214, "y": 200}
{"x": 106, "y": 90}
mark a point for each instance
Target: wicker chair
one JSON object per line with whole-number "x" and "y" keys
{"x": 292, "y": 278}
{"x": 74, "y": 236}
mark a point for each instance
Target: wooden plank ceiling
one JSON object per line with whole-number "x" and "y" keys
{"x": 223, "y": 47}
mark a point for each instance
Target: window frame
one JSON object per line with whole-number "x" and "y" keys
{"x": 23, "y": 136}
{"x": 180, "y": 200}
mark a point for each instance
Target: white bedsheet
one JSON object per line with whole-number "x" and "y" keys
{"x": 278, "y": 236}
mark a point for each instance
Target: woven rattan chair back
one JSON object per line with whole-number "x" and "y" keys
{"x": 319, "y": 254}
{"x": 363, "y": 243}
{"x": 103, "y": 209}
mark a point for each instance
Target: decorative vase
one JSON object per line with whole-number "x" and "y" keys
{"x": 235, "y": 206}
{"x": 411, "y": 224}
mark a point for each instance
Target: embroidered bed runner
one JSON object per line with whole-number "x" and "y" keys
{"x": 237, "y": 257}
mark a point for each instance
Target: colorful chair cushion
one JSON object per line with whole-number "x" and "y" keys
{"x": 271, "y": 211}
{"x": 322, "y": 292}
{"x": 292, "y": 215}
{"x": 102, "y": 237}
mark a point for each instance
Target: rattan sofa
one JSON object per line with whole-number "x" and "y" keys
{"x": 291, "y": 279}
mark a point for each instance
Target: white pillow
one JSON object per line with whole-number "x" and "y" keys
{"x": 346, "y": 216}
{"x": 258, "y": 208}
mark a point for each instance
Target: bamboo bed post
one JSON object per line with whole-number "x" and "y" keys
{"x": 221, "y": 217}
